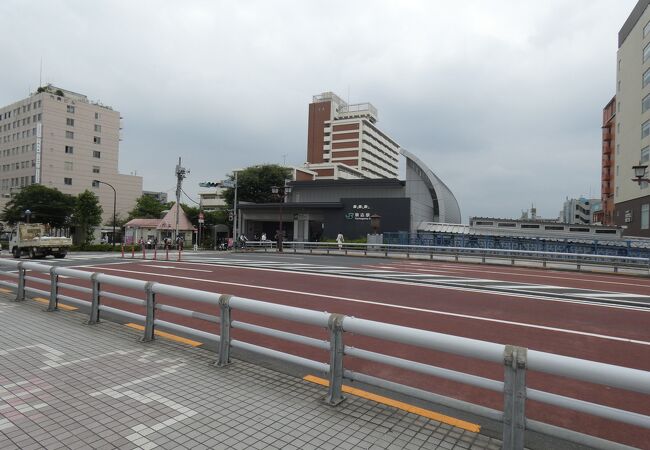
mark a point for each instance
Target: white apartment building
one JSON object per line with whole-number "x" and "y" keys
{"x": 341, "y": 136}
{"x": 632, "y": 145}
{"x": 60, "y": 139}
{"x": 211, "y": 200}
{"x": 579, "y": 210}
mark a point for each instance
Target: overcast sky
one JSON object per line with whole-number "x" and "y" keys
{"x": 502, "y": 99}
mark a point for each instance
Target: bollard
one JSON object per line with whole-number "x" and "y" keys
{"x": 514, "y": 393}
{"x": 122, "y": 250}
{"x": 335, "y": 390}
{"x": 144, "y": 253}
{"x": 167, "y": 254}
{"x": 179, "y": 254}
{"x": 20, "y": 291}
{"x": 54, "y": 290}
{"x": 94, "y": 306}
{"x": 155, "y": 253}
{"x": 151, "y": 312}
{"x": 224, "y": 337}
{"x": 132, "y": 251}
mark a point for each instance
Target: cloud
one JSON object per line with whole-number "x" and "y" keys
{"x": 502, "y": 99}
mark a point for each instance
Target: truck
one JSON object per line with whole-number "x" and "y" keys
{"x": 33, "y": 239}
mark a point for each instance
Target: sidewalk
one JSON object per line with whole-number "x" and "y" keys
{"x": 64, "y": 384}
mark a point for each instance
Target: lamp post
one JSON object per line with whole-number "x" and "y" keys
{"x": 114, "y": 203}
{"x": 281, "y": 192}
{"x": 640, "y": 173}
{"x": 28, "y": 214}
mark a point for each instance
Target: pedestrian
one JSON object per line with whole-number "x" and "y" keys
{"x": 242, "y": 240}
{"x": 340, "y": 240}
{"x": 263, "y": 237}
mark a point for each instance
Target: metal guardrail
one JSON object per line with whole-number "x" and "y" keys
{"x": 512, "y": 256}
{"x": 515, "y": 360}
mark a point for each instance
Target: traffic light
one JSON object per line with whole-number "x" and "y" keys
{"x": 209, "y": 184}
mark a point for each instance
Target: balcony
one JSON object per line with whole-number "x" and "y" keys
{"x": 607, "y": 135}
{"x": 607, "y": 177}
{"x": 607, "y": 162}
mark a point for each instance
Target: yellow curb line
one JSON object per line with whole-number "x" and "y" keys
{"x": 5, "y": 290}
{"x": 60, "y": 305}
{"x": 401, "y": 405}
{"x": 171, "y": 337}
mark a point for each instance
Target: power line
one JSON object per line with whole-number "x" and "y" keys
{"x": 190, "y": 198}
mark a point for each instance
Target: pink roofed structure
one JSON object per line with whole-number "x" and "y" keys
{"x": 159, "y": 229}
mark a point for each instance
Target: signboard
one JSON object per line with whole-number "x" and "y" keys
{"x": 228, "y": 183}
{"x": 359, "y": 212}
{"x": 628, "y": 216}
{"x": 39, "y": 138}
{"x": 201, "y": 217}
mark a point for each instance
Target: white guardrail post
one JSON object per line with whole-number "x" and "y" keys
{"x": 335, "y": 390}
{"x": 54, "y": 290}
{"x": 151, "y": 312}
{"x": 514, "y": 397}
{"x": 224, "y": 326}
{"x": 20, "y": 291}
{"x": 94, "y": 305}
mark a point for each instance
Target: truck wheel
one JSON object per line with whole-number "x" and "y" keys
{"x": 60, "y": 255}
{"x": 16, "y": 252}
{"x": 32, "y": 253}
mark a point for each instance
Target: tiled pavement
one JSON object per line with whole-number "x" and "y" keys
{"x": 64, "y": 384}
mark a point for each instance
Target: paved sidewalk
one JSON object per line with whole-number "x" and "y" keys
{"x": 64, "y": 384}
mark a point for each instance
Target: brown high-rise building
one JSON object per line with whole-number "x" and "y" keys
{"x": 607, "y": 182}
{"x": 343, "y": 141}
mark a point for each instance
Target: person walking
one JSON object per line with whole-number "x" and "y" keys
{"x": 340, "y": 240}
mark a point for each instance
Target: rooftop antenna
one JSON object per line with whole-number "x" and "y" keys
{"x": 40, "y": 74}
{"x": 284, "y": 159}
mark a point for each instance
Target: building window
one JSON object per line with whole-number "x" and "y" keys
{"x": 69, "y": 149}
{"x": 95, "y": 184}
{"x": 646, "y": 78}
{"x": 67, "y": 181}
{"x": 645, "y": 154}
{"x": 645, "y": 129}
{"x": 97, "y": 140}
{"x": 69, "y": 134}
{"x": 70, "y": 109}
{"x": 96, "y": 116}
{"x": 645, "y": 216}
{"x": 646, "y": 29}
{"x": 98, "y": 128}
{"x": 97, "y": 154}
{"x": 69, "y": 122}
{"x": 67, "y": 165}
{"x": 646, "y": 53}
{"x": 95, "y": 169}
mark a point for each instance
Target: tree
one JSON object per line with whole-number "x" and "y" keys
{"x": 147, "y": 208}
{"x": 255, "y": 184}
{"x": 47, "y": 205}
{"x": 87, "y": 215}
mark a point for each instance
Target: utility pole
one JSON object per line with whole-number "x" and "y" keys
{"x": 181, "y": 173}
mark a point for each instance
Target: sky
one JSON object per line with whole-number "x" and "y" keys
{"x": 502, "y": 99}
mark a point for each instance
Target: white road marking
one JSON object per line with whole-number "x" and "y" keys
{"x": 179, "y": 268}
{"x": 409, "y": 308}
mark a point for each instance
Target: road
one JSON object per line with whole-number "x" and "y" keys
{"x": 600, "y": 317}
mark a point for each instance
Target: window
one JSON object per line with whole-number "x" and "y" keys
{"x": 67, "y": 181}
{"x": 97, "y": 154}
{"x": 95, "y": 169}
{"x": 646, "y": 29}
{"x": 69, "y": 134}
{"x": 95, "y": 184}
{"x": 645, "y": 154}
{"x": 616, "y": 170}
{"x": 98, "y": 128}
{"x": 645, "y": 129}
{"x": 67, "y": 165}
{"x": 646, "y": 78}
{"x": 69, "y": 149}
{"x": 69, "y": 122}
{"x": 646, "y": 53}
{"x": 70, "y": 109}
{"x": 97, "y": 140}
{"x": 645, "y": 216}
{"x": 96, "y": 116}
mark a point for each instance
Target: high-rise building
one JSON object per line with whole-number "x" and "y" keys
{"x": 579, "y": 210}
{"x": 60, "y": 139}
{"x": 607, "y": 175}
{"x": 632, "y": 199}
{"x": 343, "y": 141}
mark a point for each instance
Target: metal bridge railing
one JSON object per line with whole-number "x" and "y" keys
{"x": 517, "y": 361}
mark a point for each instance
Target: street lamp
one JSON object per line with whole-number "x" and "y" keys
{"x": 281, "y": 192}
{"x": 114, "y": 203}
{"x": 639, "y": 173}
{"x": 28, "y": 214}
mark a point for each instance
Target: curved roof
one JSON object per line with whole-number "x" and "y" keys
{"x": 444, "y": 201}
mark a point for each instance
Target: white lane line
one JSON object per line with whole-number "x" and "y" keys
{"x": 179, "y": 268}
{"x": 409, "y": 308}
{"x": 613, "y": 295}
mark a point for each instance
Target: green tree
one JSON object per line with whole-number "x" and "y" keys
{"x": 47, "y": 205}
{"x": 255, "y": 184}
{"x": 147, "y": 208}
{"x": 87, "y": 215}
